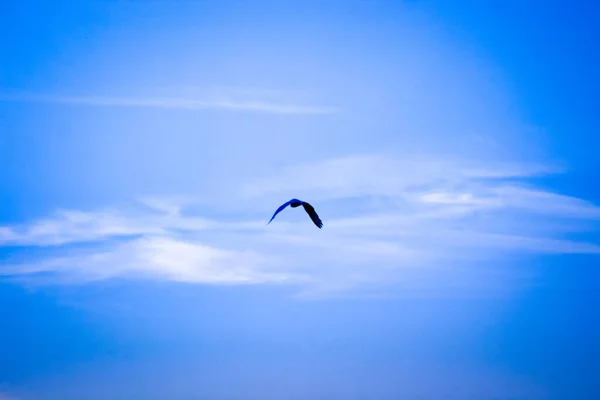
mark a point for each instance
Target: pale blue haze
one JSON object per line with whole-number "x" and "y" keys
{"x": 448, "y": 146}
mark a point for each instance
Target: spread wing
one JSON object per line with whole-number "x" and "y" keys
{"x": 313, "y": 214}
{"x": 279, "y": 210}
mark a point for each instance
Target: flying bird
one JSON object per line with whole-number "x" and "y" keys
{"x": 307, "y": 207}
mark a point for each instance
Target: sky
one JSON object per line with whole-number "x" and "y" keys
{"x": 448, "y": 148}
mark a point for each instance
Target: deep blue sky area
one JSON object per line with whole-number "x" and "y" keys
{"x": 448, "y": 146}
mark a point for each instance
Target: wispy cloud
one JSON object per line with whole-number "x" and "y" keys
{"x": 171, "y": 103}
{"x": 158, "y": 257}
{"x": 415, "y": 218}
{"x": 377, "y": 175}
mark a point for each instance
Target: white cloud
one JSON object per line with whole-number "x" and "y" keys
{"x": 159, "y": 257}
{"x": 172, "y": 102}
{"x": 71, "y": 226}
{"x": 393, "y": 176}
{"x": 426, "y": 217}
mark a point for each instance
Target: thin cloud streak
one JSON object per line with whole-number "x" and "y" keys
{"x": 377, "y": 175}
{"x": 171, "y": 103}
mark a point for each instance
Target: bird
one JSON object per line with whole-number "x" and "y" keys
{"x": 307, "y": 207}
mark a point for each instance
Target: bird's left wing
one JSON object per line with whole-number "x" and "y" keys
{"x": 313, "y": 214}
{"x": 279, "y": 210}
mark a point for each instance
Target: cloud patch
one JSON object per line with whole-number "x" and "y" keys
{"x": 414, "y": 219}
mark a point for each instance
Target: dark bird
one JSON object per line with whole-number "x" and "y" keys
{"x": 307, "y": 207}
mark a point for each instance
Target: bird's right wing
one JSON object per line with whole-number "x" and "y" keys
{"x": 312, "y": 214}
{"x": 279, "y": 210}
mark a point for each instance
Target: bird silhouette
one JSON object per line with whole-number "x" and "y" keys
{"x": 307, "y": 207}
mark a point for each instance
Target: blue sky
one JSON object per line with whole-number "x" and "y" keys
{"x": 448, "y": 147}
